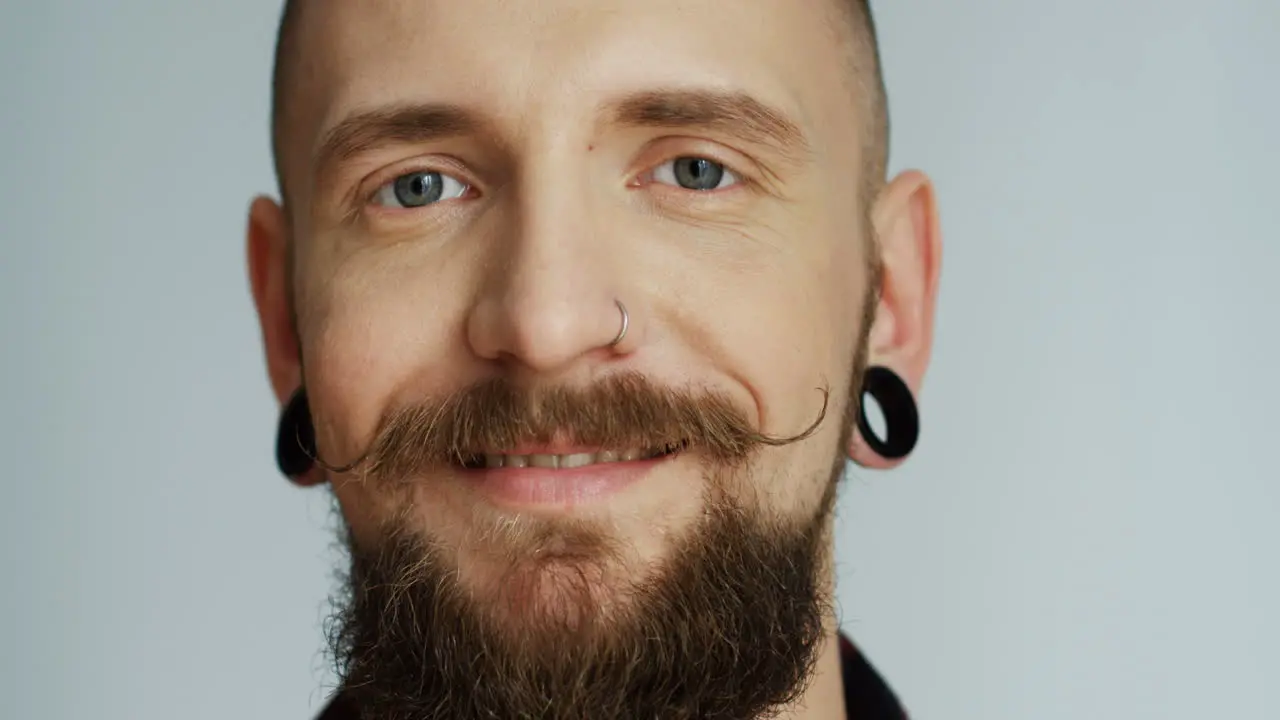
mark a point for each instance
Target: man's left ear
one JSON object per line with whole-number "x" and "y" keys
{"x": 905, "y": 219}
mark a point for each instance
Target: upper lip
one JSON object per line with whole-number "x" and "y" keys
{"x": 546, "y": 449}
{"x": 566, "y": 449}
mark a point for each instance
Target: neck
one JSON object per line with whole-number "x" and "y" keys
{"x": 823, "y": 699}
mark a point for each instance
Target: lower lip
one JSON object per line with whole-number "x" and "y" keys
{"x": 559, "y": 487}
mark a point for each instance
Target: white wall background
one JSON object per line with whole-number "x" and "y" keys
{"x": 1091, "y": 527}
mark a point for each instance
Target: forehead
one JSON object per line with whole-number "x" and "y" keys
{"x": 544, "y": 64}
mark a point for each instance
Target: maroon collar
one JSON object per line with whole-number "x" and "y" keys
{"x": 866, "y": 695}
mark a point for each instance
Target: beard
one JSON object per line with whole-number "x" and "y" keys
{"x": 729, "y": 627}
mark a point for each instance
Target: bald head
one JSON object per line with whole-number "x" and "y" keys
{"x": 863, "y": 60}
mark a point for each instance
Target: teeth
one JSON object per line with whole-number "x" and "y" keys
{"x": 544, "y": 461}
{"x": 578, "y": 460}
{"x": 575, "y": 460}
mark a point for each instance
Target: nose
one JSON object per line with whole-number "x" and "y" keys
{"x": 551, "y": 298}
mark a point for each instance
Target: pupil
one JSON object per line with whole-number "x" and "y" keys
{"x": 418, "y": 189}
{"x": 698, "y": 173}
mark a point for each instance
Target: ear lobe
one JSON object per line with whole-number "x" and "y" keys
{"x": 267, "y": 239}
{"x": 863, "y": 456}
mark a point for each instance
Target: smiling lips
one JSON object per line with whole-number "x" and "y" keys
{"x": 571, "y": 460}
{"x": 539, "y": 457}
{"x": 562, "y": 479}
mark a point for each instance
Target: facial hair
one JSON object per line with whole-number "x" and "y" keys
{"x": 728, "y": 627}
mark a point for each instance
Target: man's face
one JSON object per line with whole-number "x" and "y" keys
{"x": 474, "y": 187}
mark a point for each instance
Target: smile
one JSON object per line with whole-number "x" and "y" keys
{"x": 524, "y": 480}
{"x": 567, "y": 461}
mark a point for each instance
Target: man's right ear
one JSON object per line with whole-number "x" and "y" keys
{"x": 267, "y": 251}
{"x": 268, "y": 259}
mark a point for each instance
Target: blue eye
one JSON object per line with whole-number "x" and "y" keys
{"x": 419, "y": 189}
{"x": 695, "y": 173}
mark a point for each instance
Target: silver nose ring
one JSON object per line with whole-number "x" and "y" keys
{"x": 626, "y": 323}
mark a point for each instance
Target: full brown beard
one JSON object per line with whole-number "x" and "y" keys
{"x": 728, "y": 627}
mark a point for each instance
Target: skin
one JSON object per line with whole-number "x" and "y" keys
{"x": 755, "y": 289}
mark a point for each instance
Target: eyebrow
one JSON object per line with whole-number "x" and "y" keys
{"x": 732, "y": 113}
{"x": 406, "y": 123}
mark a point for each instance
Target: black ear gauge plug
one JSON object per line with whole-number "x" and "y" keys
{"x": 296, "y": 437}
{"x": 901, "y": 416}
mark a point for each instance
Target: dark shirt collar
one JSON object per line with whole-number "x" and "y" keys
{"x": 866, "y": 695}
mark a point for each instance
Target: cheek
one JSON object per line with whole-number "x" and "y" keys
{"x": 788, "y": 329}
{"x": 373, "y": 334}
{"x": 784, "y": 324}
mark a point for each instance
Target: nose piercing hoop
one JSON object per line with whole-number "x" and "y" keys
{"x": 626, "y": 323}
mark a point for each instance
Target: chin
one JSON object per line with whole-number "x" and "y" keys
{"x": 555, "y": 598}
{"x": 558, "y": 574}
